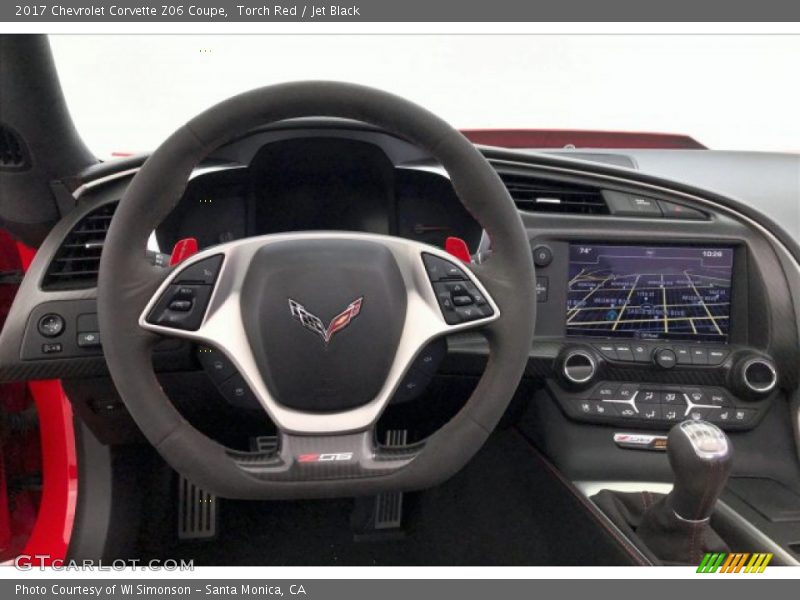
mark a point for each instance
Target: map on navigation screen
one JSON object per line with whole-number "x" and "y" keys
{"x": 676, "y": 293}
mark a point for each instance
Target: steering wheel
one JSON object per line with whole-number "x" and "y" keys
{"x": 321, "y": 325}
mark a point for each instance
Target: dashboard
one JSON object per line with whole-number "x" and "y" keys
{"x": 320, "y": 183}
{"x": 657, "y": 300}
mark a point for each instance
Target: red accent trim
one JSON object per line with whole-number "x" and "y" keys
{"x": 56, "y": 516}
{"x": 53, "y": 453}
{"x": 182, "y": 250}
{"x": 579, "y": 138}
{"x": 26, "y": 255}
{"x": 458, "y": 248}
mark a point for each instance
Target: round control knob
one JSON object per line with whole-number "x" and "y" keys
{"x": 759, "y": 375}
{"x": 51, "y": 325}
{"x": 665, "y": 358}
{"x": 579, "y": 367}
{"x": 542, "y": 256}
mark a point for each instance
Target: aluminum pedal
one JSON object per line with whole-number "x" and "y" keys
{"x": 197, "y": 512}
{"x": 266, "y": 444}
{"x": 388, "y": 508}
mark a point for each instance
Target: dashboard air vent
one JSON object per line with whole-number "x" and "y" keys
{"x": 77, "y": 261}
{"x": 536, "y": 195}
{"x": 13, "y": 153}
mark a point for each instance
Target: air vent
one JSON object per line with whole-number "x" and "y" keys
{"x": 548, "y": 196}
{"x": 76, "y": 264}
{"x": 13, "y": 153}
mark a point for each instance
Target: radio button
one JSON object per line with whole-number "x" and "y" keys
{"x": 641, "y": 352}
{"x": 607, "y": 350}
{"x": 683, "y": 355}
{"x": 665, "y": 358}
{"x": 624, "y": 352}
{"x": 717, "y": 356}
{"x": 699, "y": 356}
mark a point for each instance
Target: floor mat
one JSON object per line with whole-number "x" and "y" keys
{"x": 504, "y": 508}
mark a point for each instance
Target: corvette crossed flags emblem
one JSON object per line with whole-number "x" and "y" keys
{"x": 315, "y": 324}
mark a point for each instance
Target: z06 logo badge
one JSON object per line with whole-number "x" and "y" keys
{"x": 330, "y": 457}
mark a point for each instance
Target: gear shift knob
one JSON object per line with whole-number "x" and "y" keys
{"x": 701, "y": 457}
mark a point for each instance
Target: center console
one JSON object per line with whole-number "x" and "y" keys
{"x": 652, "y": 334}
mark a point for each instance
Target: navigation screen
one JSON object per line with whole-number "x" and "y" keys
{"x": 659, "y": 292}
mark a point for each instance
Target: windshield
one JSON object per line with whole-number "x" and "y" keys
{"x": 128, "y": 93}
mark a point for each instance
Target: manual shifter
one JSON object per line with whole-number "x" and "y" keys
{"x": 701, "y": 458}
{"x": 676, "y": 528}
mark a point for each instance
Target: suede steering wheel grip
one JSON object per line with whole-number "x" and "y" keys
{"x": 127, "y": 283}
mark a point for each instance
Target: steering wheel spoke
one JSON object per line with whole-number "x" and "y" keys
{"x": 320, "y": 457}
{"x": 202, "y": 301}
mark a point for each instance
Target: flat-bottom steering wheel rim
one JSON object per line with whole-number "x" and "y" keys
{"x": 128, "y": 283}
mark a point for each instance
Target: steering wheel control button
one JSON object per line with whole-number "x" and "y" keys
{"x": 181, "y": 305}
{"x": 51, "y": 325}
{"x": 204, "y": 271}
{"x": 461, "y": 302}
{"x": 412, "y": 385}
{"x": 89, "y": 339}
{"x": 464, "y": 300}
{"x": 440, "y": 269}
{"x": 215, "y": 364}
{"x": 171, "y": 309}
{"x": 665, "y": 358}
{"x": 431, "y": 356}
{"x": 237, "y": 392}
{"x": 542, "y": 256}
